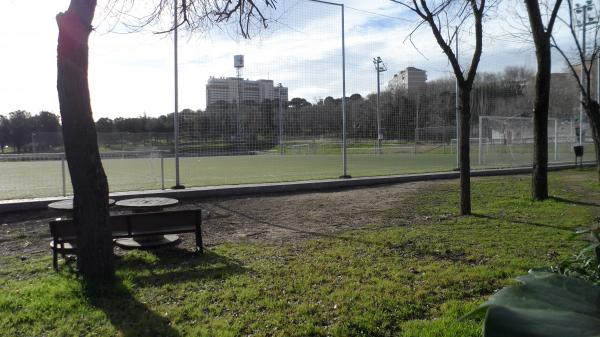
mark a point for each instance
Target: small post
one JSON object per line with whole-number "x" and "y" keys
{"x": 162, "y": 169}
{"x": 33, "y": 142}
{"x": 64, "y": 175}
{"x": 480, "y": 140}
{"x": 556, "y": 140}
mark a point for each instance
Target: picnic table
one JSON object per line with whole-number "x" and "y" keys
{"x": 67, "y": 205}
{"x": 141, "y": 205}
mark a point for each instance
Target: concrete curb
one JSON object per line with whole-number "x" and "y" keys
{"x": 275, "y": 188}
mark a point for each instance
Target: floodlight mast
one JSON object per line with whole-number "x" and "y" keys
{"x": 379, "y": 68}
{"x": 238, "y": 63}
{"x": 582, "y": 10}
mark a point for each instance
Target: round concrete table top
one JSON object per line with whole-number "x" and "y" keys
{"x": 147, "y": 203}
{"x": 67, "y": 205}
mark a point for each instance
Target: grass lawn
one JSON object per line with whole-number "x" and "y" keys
{"x": 389, "y": 279}
{"x": 27, "y": 179}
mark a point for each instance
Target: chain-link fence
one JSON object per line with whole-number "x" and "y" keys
{"x": 281, "y": 115}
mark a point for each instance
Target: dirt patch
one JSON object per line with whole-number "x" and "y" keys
{"x": 269, "y": 219}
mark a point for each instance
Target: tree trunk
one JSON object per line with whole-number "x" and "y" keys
{"x": 465, "y": 148}
{"x": 541, "y": 39}
{"x": 541, "y": 104}
{"x": 90, "y": 187}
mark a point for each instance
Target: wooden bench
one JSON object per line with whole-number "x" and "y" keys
{"x": 136, "y": 225}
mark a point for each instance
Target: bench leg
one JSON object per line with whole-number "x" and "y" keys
{"x": 199, "y": 248}
{"x": 54, "y": 259}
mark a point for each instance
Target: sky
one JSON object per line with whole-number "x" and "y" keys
{"x": 131, "y": 73}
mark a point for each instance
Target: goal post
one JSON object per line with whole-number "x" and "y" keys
{"x": 513, "y": 132}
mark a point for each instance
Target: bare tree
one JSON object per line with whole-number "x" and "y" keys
{"x": 541, "y": 34}
{"x": 90, "y": 186}
{"x": 442, "y": 16}
{"x": 583, "y": 57}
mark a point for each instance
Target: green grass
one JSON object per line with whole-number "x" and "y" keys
{"x": 29, "y": 179}
{"x": 389, "y": 279}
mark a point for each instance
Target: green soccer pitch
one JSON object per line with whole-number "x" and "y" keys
{"x": 28, "y": 179}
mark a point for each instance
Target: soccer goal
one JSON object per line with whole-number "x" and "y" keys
{"x": 510, "y": 139}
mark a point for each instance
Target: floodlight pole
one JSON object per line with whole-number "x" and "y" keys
{"x": 583, "y": 31}
{"x": 456, "y": 108}
{"x": 583, "y": 9}
{"x": 175, "y": 113}
{"x": 344, "y": 140}
{"x": 379, "y": 68}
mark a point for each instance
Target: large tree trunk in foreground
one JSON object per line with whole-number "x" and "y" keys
{"x": 541, "y": 38}
{"x": 95, "y": 253}
{"x": 465, "y": 148}
{"x": 539, "y": 179}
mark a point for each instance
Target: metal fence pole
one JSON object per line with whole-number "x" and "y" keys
{"x": 281, "y": 152}
{"x": 344, "y": 122}
{"x": 480, "y": 140}
{"x": 344, "y": 141}
{"x": 64, "y": 175}
{"x": 555, "y": 139}
{"x": 176, "y": 114}
{"x": 162, "y": 169}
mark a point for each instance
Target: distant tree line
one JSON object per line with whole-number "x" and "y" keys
{"x": 17, "y": 129}
{"x": 508, "y": 93}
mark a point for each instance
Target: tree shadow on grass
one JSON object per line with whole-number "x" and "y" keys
{"x": 175, "y": 265}
{"x": 169, "y": 266}
{"x": 574, "y": 202}
{"x": 530, "y": 223}
{"x": 128, "y": 315}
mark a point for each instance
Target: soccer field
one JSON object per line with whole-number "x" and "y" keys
{"x": 27, "y": 179}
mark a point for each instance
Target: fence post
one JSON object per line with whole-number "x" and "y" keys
{"x": 64, "y": 178}
{"x": 162, "y": 169}
{"x": 555, "y": 139}
{"x": 281, "y": 152}
{"x": 480, "y": 140}
{"x": 344, "y": 126}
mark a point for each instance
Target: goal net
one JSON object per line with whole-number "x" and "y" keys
{"x": 509, "y": 140}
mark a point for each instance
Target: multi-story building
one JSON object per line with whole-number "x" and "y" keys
{"x": 232, "y": 89}
{"x": 410, "y": 79}
{"x": 593, "y": 76}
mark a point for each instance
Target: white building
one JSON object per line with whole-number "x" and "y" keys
{"x": 410, "y": 79}
{"x": 231, "y": 89}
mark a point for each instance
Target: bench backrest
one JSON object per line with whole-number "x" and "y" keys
{"x": 136, "y": 224}
{"x": 163, "y": 222}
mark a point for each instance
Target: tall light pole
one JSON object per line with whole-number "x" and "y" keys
{"x": 238, "y": 63}
{"x": 456, "y": 108}
{"x": 379, "y": 68}
{"x": 586, "y": 19}
{"x": 344, "y": 124}
{"x": 176, "y": 87}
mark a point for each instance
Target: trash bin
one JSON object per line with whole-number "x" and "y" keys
{"x": 578, "y": 149}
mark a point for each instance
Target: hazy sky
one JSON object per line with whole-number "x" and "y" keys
{"x": 132, "y": 74}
